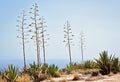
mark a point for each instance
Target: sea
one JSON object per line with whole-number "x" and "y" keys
{"x": 61, "y": 63}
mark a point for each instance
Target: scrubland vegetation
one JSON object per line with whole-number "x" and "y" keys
{"x": 36, "y": 72}
{"x": 104, "y": 65}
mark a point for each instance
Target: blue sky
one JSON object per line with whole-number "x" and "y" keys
{"x": 98, "y": 19}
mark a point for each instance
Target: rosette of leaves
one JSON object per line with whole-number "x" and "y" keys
{"x": 34, "y": 71}
{"x": 11, "y": 74}
{"x": 104, "y": 63}
{"x": 52, "y": 69}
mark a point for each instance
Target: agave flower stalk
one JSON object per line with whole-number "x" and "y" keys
{"x": 68, "y": 37}
{"x": 22, "y": 29}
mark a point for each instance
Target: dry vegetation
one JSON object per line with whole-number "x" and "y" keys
{"x": 92, "y": 71}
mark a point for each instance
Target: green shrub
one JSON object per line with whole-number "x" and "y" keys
{"x": 52, "y": 69}
{"x": 90, "y": 64}
{"x": 104, "y": 63}
{"x": 11, "y": 74}
{"x": 72, "y": 67}
{"x": 44, "y": 68}
{"x": 95, "y": 73}
{"x": 119, "y": 67}
{"x": 107, "y": 64}
{"x": 115, "y": 65}
{"x": 87, "y": 64}
{"x": 88, "y": 71}
{"x": 33, "y": 71}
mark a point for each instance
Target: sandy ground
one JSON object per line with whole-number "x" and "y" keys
{"x": 88, "y": 78}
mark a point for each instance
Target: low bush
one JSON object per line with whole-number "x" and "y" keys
{"x": 107, "y": 63}
{"x": 115, "y": 65}
{"x": 72, "y": 67}
{"x": 24, "y": 78}
{"x": 104, "y": 63}
{"x": 90, "y": 64}
{"x": 33, "y": 71}
{"x": 52, "y": 69}
{"x": 95, "y": 73}
{"x": 44, "y": 68}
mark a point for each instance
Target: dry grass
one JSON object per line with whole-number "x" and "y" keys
{"x": 42, "y": 77}
{"x": 82, "y": 71}
{"x": 24, "y": 78}
{"x": 111, "y": 74}
{"x": 2, "y": 80}
{"x": 57, "y": 74}
{"x": 76, "y": 77}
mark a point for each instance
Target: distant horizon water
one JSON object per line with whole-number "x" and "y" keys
{"x": 61, "y": 63}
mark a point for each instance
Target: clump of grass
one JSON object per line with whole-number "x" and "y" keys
{"x": 52, "y": 69}
{"x": 88, "y": 71}
{"x": 24, "y": 78}
{"x": 76, "y": 77}
{"x": 72, "y": 67}
{"x": 95, "y": 72}
{"x": 82, "y": 71}
{"x": 33, "y": 71}
{"x": 57, "y": 74}
{"x": 2, "y": 79}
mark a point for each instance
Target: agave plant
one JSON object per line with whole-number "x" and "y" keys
{"x": 70, "y": 67}
{"x": 73, "y": 66}
{"x": 119, "y": 66}
{"x": 52, "y": 69}
{"x": 11, "y": 74}
{"x": 105, "y": 63}
{"x": 108, "y": 64}
{"x": 90, "y": 64}
{"x": 87, "y": 64}
{"x": 115, "y": 65}
{"x": 44, "y": 68}
{"x": 34, "y": 71}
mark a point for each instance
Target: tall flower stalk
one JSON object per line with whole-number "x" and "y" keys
{"x": 43, "y": 36}
{"x": 35, "y": 24}
{"x": 22, "y": 28}
{"x": 68, "y": 37}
